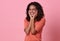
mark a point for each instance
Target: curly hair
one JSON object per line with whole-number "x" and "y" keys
{"x": 38, "y": 7}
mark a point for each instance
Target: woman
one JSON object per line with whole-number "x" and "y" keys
{"x": 34, "y": 22}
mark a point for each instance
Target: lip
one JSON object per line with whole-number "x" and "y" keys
{"x": 32, "y": 13}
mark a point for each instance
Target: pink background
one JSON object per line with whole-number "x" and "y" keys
{"x": 12, "y": 14}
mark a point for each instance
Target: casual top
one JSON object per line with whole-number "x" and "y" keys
{"x": 38, "y": 27}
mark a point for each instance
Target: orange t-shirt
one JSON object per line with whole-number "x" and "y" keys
{"x": 38, "y": 27}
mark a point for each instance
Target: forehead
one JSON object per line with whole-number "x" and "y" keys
{"x": 32, "y": 7}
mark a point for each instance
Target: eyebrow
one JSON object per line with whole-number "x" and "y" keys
{"x": 33, "y": 9}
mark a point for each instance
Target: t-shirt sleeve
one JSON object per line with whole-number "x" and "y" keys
{"x": 26, "y": 23}
{"x": 40, "y": 24}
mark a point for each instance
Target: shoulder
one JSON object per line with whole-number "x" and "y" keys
{"x": 42, "y": 20}
{"x": 25, "y": 21}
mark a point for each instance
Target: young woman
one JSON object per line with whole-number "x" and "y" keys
{"x": 34, "y": 22}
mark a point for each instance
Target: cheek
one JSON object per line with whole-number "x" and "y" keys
{"x": 29, "y": 12}
{"x": 36, "y": 12}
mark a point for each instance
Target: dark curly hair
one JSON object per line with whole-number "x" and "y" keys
{"x": 38, "y": 7}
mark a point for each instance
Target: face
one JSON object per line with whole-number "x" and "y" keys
{"x": 32, "y": 10}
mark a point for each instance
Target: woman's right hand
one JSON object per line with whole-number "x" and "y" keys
{"x": 31, "y": 16}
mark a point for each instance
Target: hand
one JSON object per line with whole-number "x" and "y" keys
{"x": 32, "y": 16}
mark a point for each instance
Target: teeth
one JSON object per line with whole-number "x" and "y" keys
{"x": 31, "y": 13}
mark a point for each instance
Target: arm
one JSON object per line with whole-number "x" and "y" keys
{"x": 27, "y": 27}
{"x": 33, "y": 31}
{"x": 38, "y": 27}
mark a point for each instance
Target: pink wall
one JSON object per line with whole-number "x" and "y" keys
{"x": 12, "y": 14}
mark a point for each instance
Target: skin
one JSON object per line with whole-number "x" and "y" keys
{"x": 32, "y": 13}
{"x": 31, "y": 27}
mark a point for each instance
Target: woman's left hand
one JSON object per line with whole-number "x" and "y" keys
{"x": 33, "y": 16}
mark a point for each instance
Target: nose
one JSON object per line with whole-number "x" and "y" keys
{"x": 32, "y": 12}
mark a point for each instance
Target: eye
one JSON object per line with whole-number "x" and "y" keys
{"x": 29, "y": 9}
{"x": 34, "y": 10}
